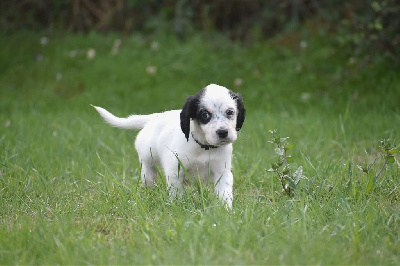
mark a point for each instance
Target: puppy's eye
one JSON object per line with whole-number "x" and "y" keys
{"x": 230, "y": 112}
{"x": 204, "y": 116}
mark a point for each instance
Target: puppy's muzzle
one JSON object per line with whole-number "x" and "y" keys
{"x": 222, "y": 133}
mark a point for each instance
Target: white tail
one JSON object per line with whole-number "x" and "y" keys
{"x": 131, "y": 122}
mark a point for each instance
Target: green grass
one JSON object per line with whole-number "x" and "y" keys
{"x": 69, "y": 184}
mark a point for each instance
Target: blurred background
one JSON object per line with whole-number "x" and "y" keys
{"x": 367, "y": 29}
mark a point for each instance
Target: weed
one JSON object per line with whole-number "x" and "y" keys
{"x": 289, "y": 180}
{"x": 387, "y": 152}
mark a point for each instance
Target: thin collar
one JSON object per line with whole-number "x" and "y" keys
{"x": 206, "y": 147}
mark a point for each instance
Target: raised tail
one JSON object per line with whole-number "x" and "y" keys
{"x": 130, "y": 122}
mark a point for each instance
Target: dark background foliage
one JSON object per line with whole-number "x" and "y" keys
{"x": 367, "y": 29}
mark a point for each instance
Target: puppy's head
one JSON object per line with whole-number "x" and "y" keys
{"x": 217, "y": 115}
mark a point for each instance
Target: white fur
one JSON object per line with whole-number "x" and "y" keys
{"x": 161, "y": 142}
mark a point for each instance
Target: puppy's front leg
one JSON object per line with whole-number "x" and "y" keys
{"x": 224, "y": 187}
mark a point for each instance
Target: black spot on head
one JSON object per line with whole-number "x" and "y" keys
{"x": 189, "y": 111}
{"x": 203, "y": 116}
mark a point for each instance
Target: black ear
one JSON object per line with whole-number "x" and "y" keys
{"x": 240, "y": 108}
{"x": 189, "y": 111}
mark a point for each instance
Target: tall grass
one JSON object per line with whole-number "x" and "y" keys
{"x": 70, "y": 187}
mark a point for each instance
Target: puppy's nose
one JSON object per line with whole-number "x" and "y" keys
{"x": 222, "y": 133}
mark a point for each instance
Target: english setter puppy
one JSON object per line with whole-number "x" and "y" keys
{"x": 196, "y": 140}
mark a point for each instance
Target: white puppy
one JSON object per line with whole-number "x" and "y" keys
{"x": 195, "y": 140}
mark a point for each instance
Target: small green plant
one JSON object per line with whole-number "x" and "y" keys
{"x": 387, "y": 151}
{"x": 281, "y": 167}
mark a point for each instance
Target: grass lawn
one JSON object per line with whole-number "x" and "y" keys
{"x": 69, "y": 184}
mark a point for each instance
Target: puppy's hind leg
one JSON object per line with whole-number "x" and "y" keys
{"x": 174, "y": 182}
{"x": 148, "y": 174}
